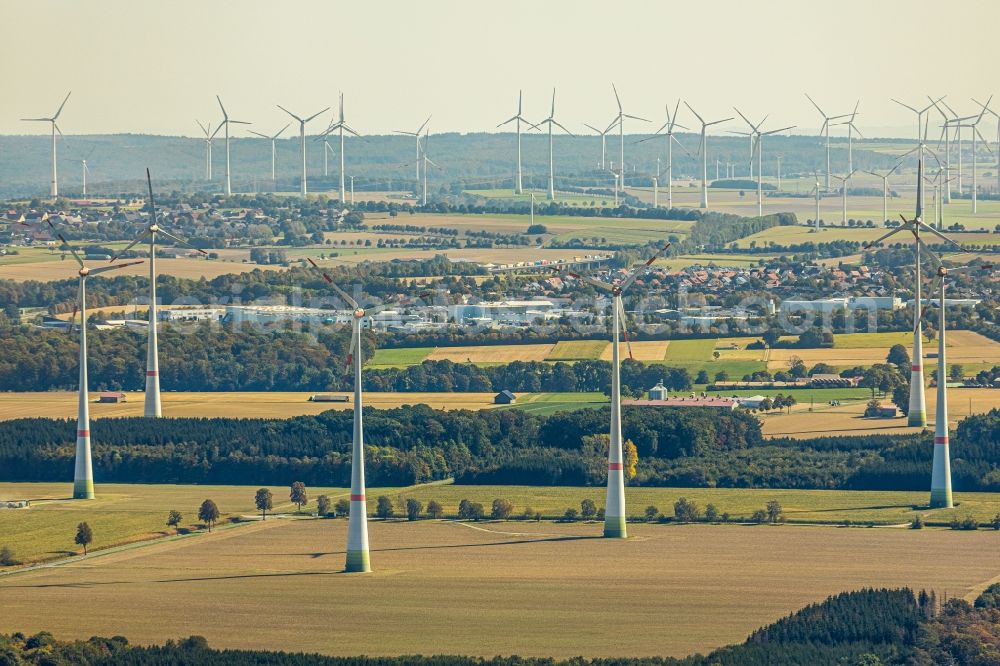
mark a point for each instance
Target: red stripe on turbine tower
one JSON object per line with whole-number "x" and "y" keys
{"x": 916, "y": 368}
{"x": 615, "y": 466}
{"x": 83, "y": 433}
{"x": 940, "y": 440}
{"x": 152, "y": 373}
{"x": 357, "y": 498}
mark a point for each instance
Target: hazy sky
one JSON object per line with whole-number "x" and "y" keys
{"x": 144, "y": 66}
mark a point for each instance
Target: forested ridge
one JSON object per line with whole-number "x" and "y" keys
{"x": 868, "y": 627}
{"x": 414, "y": 444}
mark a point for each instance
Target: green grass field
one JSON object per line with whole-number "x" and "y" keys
{"x": 545, "y": 404}
{"x": 874, "y": 340}
{"x": 399, "y": 357}
{"x": 577, "y": 350}
{"x": 124, "y": 513}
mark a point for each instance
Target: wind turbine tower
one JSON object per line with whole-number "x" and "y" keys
{"x": 152, "y": 407}
{"x": 550, "y": 121}
{"x": 303, "y": 188}
{"x": 604, "y": 135}
{"x": 357, "y": 529}
{"x": 614, "y": 507}
{"x": 83, "y": 475}
{"x": 917, "y": 415}
{"x": 825, "y": 129}
{"x": 227, "y": 121}
{"x": 671, "y": 140}
{"x": 620, "y": 119}
{"x": 274, "y": 150}
{"x": 209, "y": 137}
{"x": 341, "y": 126}
{"x": 703, "y": 151}
{"x": 517, "y": 119}
{"x": 417, "y": 135}
{"x": 54, "y": 189}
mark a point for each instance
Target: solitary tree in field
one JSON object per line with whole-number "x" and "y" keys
{"x": 711, "y": 513}
{"x": 174, "y": 518}
{"x": 208, "y": 513}
{"x": 84, "y": 536}
{"x": 631, "y": 459}
{"x": 413, "y": 509}
{"x": 383, "y": 508}
{"x": 298, "y": 496}
{"x": 588, "y": 509}
{"x": 502, "y": 508}
{"x": 773, "y": 511}
{"x": 651, "y": 513}
{"x": 264, "y": 501}
{"x": 434, "y": 509}
{"x": 342, "y": 507}
{"x": 323, "y": 505}
{"x": 7, "y": 558}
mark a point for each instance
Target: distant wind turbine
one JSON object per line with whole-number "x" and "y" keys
{"x": 826, "y": 129}
{"x": 671, "y": 140}
{"x": 550, "y": 121}
{"x": 703, "y": 151}
{"x": 340, "y": 126}
{"x": 303, "y": 188}
{"x": 517, "y": 119}
{"x": 274, "y": 150}
{"x": 227, "y": 121}
{"x": 620, "y": 119}
{"x": 54, "y": 189}
{"x": 209, "y": 137}
{"x": 417, "y": 136}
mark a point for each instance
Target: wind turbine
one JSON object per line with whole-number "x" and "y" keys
{"x": 604, "y": 134}
{"x": 340, "y": 126}
{"x": 756, "y": 136}
{"x": 922, "y": 133}
{"x": 274, "y": 150}
{"x": 227, "y": 121}
{"x": 816, "y": 192}
{"x": 54, "y": 190}
{"x": 425, "y": 162}
{"x": 550, "y": 121}
{"x": 83, "y": 475}
{"x": 703, "y": 151}
{"x": 86, "y": 169}
{"x": 885, "y": 189}
{"x": 977, "y": 134}
{"x": 826, "y": 129}
{"x": 997, "y": 116}
{"x": 614, "y": 511}
{"x": 851, "y": 129}
{"x": 357, "y": 528}
{"x": 417, "y": 136}
{"x": 945, "y": 126}
{"x": 917, "y": 414}
{"x": 844, "y": 180}
{"x": 671, "y": 140}
{"x": 620, "y": 119}
{"x": 303, "y": 189}
{"x": 517, "y": 119}
{"x": 152, "y": 397}
{"x": 209, "y": 137}
{"x": 941, "y": 497}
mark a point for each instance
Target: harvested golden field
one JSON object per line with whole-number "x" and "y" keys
{"x": 181, "y": 267}
{"x": 847, "y": 418}
{"x": 965, "y": 347}
{"x": 491, "y": 353}
{"x": 534, "y": 589}
{"x": 62, "y": 404}
{"x": 647, "y": 350}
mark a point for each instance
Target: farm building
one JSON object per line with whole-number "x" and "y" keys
{"x": 504, "y": 397}
{"x": 112, "y": 397}
{"x": 820, "y": 380}
{"x": 658, "y": 392}
{"x": 327, "y": 397}
{"x": 882, "y": 411}
{"x": 822, "y": 305}
{"x": 711, "y": 402}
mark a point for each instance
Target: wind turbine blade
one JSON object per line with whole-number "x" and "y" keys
{"x": 181, "y": 241}
{"x": 289, "y": 112}
{"x": 69, "y": 247}
{"x": 135, "y": 241}
{"x": 105, "y": 269}
{"x": 343, "y": 294}
{"x": 673, "y": 119}
{"x": 700, "y": 119}
{"x": 203, "y": 128}
{"x": 562, "y": 128}
{"x": 716, "y": 122}
{"x": 927, "y": 227}
{"x": 634, "y": 275}
{"x": 592, "y": 127}
{"x": 645, "y": 120}
{"x": 71, "y": 92}
{"x": 224, "y": 114}
{"x": 281, "y": 131}
{"x": 421, "y": 128}
{"x": 33, "y": 120}
{"x": 617, "y": 99}
{"x": 905, "y": 105}
{"x": 263, "y": 136}
{"x": 316, "y": 114}
{"x": 624, "y": 327}
{"x": 217, "y": 128}
{"x": 745, "y": 119}
{"x": 881, "y": 238}
{"x": 783, "y": 129}
{"x": 681, "y": 145}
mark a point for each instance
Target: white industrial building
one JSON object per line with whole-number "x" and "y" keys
{"x": 827, "y": 305}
